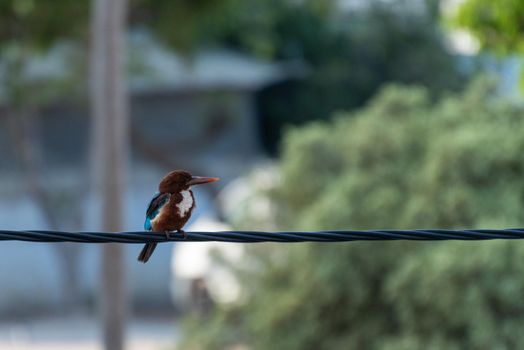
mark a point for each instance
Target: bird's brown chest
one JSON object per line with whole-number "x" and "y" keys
{"x": 175, "y": 214}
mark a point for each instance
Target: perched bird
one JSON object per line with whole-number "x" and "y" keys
{"x": 171, "y": 207}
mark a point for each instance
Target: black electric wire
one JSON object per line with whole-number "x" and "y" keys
{"x": 257, "y": 236}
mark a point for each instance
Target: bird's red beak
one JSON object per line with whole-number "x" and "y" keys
{"x": 198, "y": 180}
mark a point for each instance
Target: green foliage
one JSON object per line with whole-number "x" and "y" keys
{"x": 350, "y": 56}
{"x": 38, "y": 23}
{"x": 459, "y": 296}
{"x": 497, "y": 24}
{"x": 183, "y": 24}
{"x": 401, "y": 162}
{"x": 263, "y": 27}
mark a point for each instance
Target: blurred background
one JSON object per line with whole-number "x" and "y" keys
{"x": 333, "y": 114}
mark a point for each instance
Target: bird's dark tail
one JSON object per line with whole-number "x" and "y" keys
{"x": 146, "y": 252}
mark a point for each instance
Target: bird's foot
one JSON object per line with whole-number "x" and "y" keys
{"x": 183, "y": 233}
{"x": 168, "y": 235}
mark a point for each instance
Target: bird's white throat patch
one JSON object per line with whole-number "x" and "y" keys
{"x": 186, "y": 204}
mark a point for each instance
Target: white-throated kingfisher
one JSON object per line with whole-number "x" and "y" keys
{"x": 171, "y": 207}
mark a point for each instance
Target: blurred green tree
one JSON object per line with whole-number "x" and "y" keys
{"x": 496, "y": 24}
{"x": 349, "y": 56}
{"x": 401, "y": 162}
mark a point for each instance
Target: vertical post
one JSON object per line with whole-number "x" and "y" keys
{"x": 109, "y": 153}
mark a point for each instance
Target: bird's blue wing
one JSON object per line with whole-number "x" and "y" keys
{"x": 157, "y": 202}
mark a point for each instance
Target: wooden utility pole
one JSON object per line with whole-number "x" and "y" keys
{"x": 109, "y": 154}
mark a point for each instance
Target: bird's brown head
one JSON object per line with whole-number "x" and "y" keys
{"x": 179, "y": 180}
